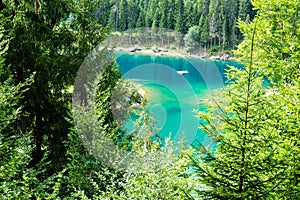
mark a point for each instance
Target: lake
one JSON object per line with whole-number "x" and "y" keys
{"x": 175, "y": 88}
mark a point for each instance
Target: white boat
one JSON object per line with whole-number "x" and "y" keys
{"x": 182, "y": 72}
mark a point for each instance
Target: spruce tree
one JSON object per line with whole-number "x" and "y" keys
{"x": 244, "y": 9}
{"x": 48, "y": 41}
{"x": 254, "y": 124}
{"x": 171, "y": 15}
{"x": 179, "y": 25}
{"x": 278, "y": 55}
{"x": 234, "y": 35}
{"x": 204, "y": 31}
{"x": 164, "y": 9}
{"x": 133, "y": 14}
{"x": 123, "y": 15}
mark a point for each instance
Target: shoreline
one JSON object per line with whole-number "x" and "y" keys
{"x": 171, "y": 53}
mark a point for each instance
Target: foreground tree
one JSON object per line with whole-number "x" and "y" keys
{"x": 17, "y": 181}
{"x": 156, "y": 172}
{"x": 48, "y": 40}
{"x": 254, "y": 124}
{"x": 45, "y": 43}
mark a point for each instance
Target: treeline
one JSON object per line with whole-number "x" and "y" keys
{"x": 215, "y": 19}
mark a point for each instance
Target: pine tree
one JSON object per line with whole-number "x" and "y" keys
{"x": 49, "y": 42}
{"x": 254, "y": 125}
{"x": 235, "y": 170}
{"x": 123, "y": 15}
{"x": 244, "y": 9}
{"x": 224, "y": 34}
{"x": 188, "y": 13}
{"x": 234, "y": 35}
{"x": 179, "y": 25}
{"x": 151, "y": 12}
{"x": 164, "y": 9}
{"x": 231, "y": 14}
{"x": 204, "y": 31}
{"x": 278, "y": 54}
{"x": 142, "y": 7}
{"x": 141, "y": 20}
{"x": 133, "y": 14}
{"x": 16, "y": 180}
{"x": 155, "y": 22}
{"x": 171, "y": 15}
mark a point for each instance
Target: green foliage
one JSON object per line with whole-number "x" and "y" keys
{"x": 168, "y": 181}
{"x": 150, "y": 170}
{"x": 122, "y": 15}
{"x": 48, "y": 41}
{"x": 192, "y": 39}
{"x": 17, "y": 181}
{"x": 84, "y": 176}
{"x": 155, "y": 172}
{"x": 279, "y": 29}
{"x": 253, "y": 120}
{"x": 244, "y": 9}
{"x": 182, "y": 15}
{"x": 163, "y": 23}
{"x": 179, "y": 25}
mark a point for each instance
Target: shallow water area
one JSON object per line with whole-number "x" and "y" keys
{"x": 173, "y": 97}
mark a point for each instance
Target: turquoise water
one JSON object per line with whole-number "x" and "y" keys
{"x": 173, "y": 98}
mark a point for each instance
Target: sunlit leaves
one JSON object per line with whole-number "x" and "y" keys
{"x": 258, "y": 148}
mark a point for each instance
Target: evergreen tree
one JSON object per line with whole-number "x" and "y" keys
{"x": 35, "y": 42}
{"x": 155, "y": 22}
{"x": 141, "y": 22}
{"x": 244, "y": 9}
{"x": 212, "y": 18}
{"x": 49, "y": 41}
{"x": 224, "y": 34}
{"x": 16, "y": 180}
{"x": 179, "y": 25}
{"x": 123, "y": 15}
{"x": 164, "y": 7}
{"x": 204, "y": 31}
{"x": 151, "y": 12}
{"x": 188, "y": 13}
{"x": 180, "y": 15}
{"x": 171, "y": 15}
{"x": 278, "y": 54}
{"x": 254, "y": 125}
{"x": 133, "y": 14}
{"x": 234, "y": 35}
{"x": 231, "y": 14}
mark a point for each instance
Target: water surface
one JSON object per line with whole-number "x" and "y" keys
{"x": 173, "y": 98}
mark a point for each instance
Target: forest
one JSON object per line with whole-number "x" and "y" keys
{"x": 253, "y": 120}
{"x": 216, "y": 20}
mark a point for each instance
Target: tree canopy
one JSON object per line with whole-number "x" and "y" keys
{"x": 214, "y": 18}
{"x": 254, "y": 119}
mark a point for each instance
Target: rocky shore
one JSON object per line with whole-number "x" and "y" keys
{"x": 171, "y": 53}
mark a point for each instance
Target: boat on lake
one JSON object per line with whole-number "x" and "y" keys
{"x": 182, "y": 72}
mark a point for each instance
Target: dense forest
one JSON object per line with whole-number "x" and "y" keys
{"x": 254, "y": 120}
{"x": 216, "y": 20}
